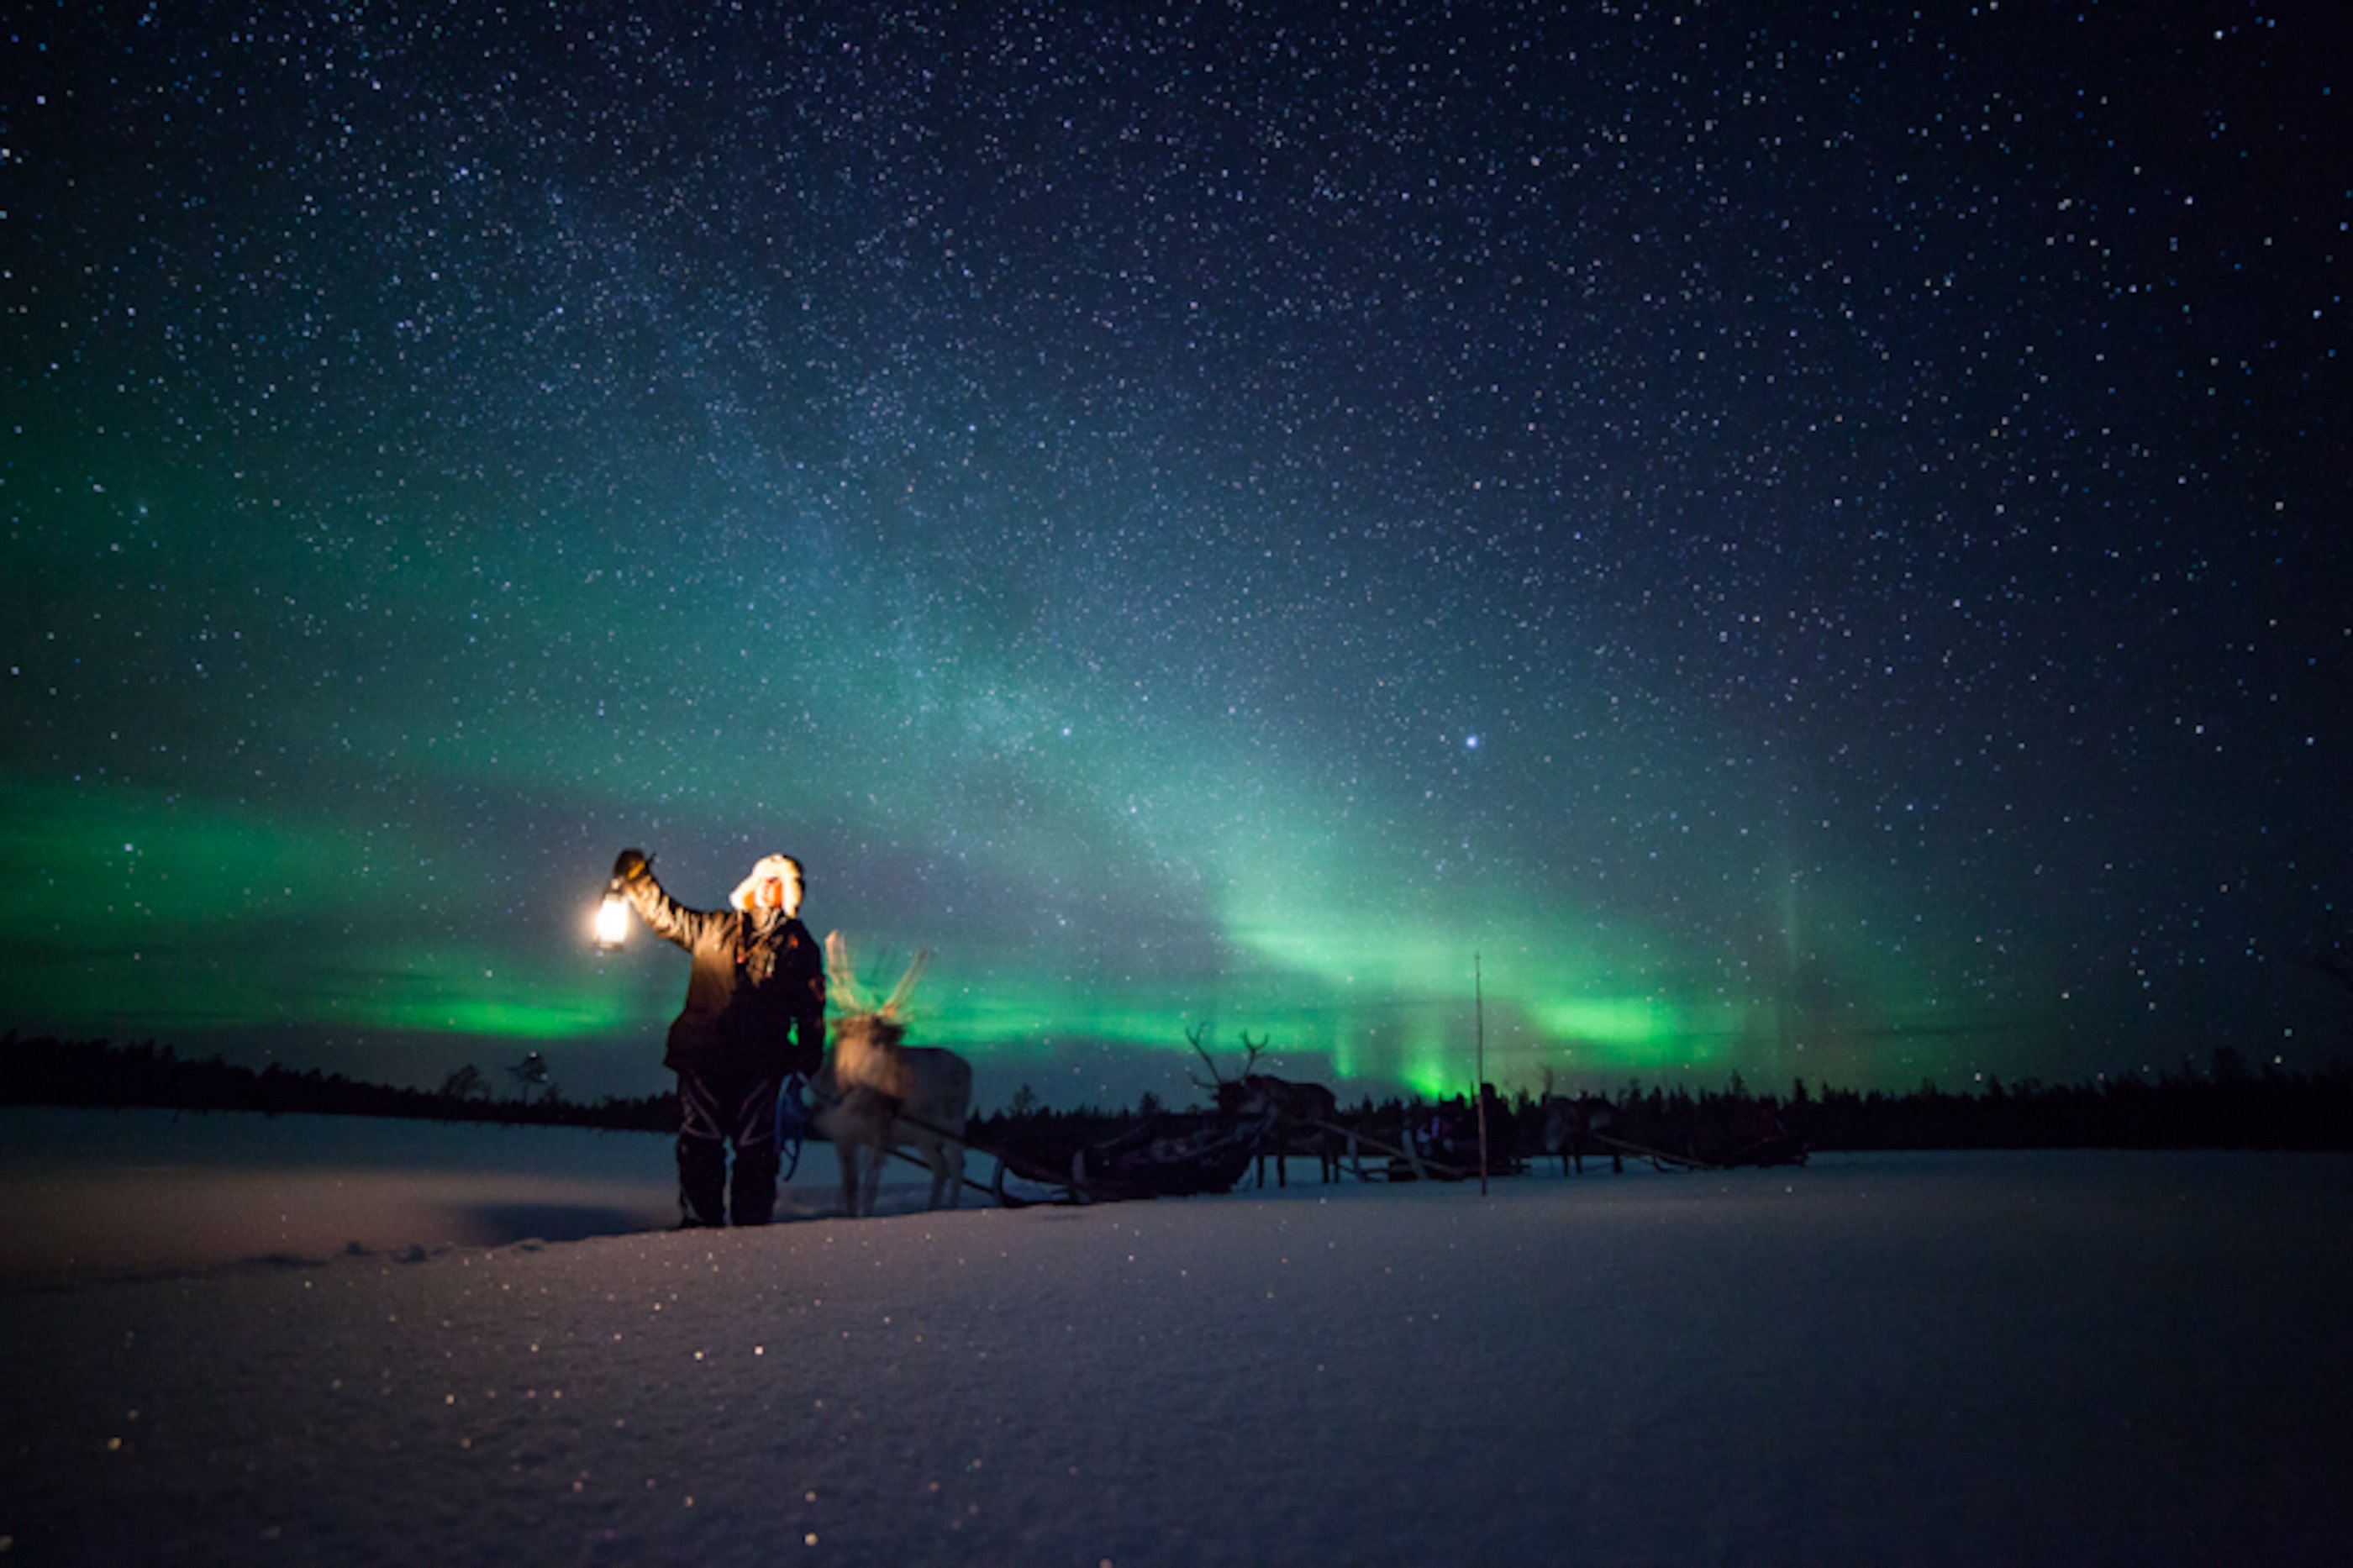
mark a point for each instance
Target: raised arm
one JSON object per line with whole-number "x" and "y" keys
{"x": 663, "y": 915}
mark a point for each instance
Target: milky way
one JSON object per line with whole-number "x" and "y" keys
{"x": 1653, "y": 541}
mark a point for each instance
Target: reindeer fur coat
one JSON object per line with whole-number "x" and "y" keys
{"x": 755, "y": 996}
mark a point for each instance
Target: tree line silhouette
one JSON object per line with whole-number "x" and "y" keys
{"x": 49, "y": 1072}
{"x": 2228, "y": 1104}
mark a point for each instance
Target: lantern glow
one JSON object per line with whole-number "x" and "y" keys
{"x": 612, "y": 920}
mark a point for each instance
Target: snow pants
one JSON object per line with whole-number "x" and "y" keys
{"x": 718, "y": 1106}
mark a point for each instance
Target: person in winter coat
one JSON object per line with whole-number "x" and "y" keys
{"x": 754, "y": 1012}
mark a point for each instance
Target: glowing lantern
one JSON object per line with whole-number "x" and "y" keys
{"x": 613, "y": 919}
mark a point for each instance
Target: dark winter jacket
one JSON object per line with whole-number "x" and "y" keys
{"x": 755, "y": 996}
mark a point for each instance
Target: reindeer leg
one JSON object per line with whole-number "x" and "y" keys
{"x": 952, "y": 1162}
{"x": 848, "y": 1152}
{"x": 936, "y": 1160}
{"x": 947, "y": 1161}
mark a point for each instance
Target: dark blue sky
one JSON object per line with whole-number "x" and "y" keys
{"x": 1798, "y": 546}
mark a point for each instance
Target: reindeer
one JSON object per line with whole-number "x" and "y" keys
{"x": 1572, "y": 1128}
{"x": 1298, "y": 1117}
{"x": 874, "y": 1094}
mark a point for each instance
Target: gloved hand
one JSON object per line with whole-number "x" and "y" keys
{"x": 631, "y": 864}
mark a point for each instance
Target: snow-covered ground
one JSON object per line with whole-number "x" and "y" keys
{"x": 314, "y": 1341}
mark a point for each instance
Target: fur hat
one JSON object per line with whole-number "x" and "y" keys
{"x": 780, "y": 868}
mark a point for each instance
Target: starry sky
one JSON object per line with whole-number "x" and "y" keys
{"x": 1641, "y": 540}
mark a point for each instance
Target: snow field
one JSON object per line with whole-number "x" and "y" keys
{"x": 2073, "y": 1357}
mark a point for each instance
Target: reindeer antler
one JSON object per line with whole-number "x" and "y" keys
{"x": 1195, "y": 1038}
{"x": 840, "y": 976}
{"x": 906, "y": 986}
{"x": 1250, "y": 1060}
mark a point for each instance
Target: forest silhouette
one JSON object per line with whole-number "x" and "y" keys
{"x": 2228, "y": 1103}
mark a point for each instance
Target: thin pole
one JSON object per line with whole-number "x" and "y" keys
{"x": 1478, "y": 1013}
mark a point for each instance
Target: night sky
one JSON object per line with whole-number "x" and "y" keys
{"x": 1674, "y": 540}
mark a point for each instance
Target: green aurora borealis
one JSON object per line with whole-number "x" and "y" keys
{"x": 1183, "y": 548}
